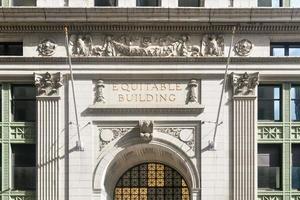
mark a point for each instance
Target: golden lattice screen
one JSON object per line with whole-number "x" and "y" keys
{"x": 151, "y": 181}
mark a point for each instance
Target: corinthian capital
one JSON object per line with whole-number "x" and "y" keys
{"x": 47, "y": 84}
{"x": 244, "y": 84}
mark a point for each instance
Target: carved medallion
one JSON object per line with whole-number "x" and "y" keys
{"x": 46, "y": 47}
{"x": 107, "y": 135}
{"x": 243, "y": 47}
{"x": 47, "y": 84}
{"x": 244, "y": 84}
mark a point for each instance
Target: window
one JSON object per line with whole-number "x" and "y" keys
{"x": 148, "y": 3}
{"x": 285, "y": 49}
{"x": 269, "y": 162}
{"x": 23, "y": 103}
{"x": 269, "y": 102}
{"x": 23, "y": 166}
{"x": 270, "y": 3}
{"x": 296, "y": 166}
{"x": 105, "y": 2}
{"x": 23, "y": 2}
{"x": 294, "y": 3}
{"x": 11, "y": 48}
{"x": 152, "y": 181}
{"x": 188, "y": 3}
{"x": 295, "y": 103}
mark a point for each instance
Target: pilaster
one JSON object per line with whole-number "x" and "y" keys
{"x": 244, "y": 136}
{"x": 48, "y": 135}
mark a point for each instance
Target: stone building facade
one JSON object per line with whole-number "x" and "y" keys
{"x": 147, "y": 87}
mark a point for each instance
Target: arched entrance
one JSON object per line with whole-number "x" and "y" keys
{"x": 151, "y": 181}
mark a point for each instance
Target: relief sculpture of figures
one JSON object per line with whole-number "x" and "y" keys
{"x": 212, "y": 45}
{"x": 143, "y": 45}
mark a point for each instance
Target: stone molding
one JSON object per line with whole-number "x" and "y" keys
{"x": 135, "y": 15}
{"x": 244, "y": 84}
{"x": 48, "y": 84}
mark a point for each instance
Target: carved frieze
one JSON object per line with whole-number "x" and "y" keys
{"x": 186, "y": 135}
{"x": 47, "y": 84}
{"x": 147, "y": 45}
{"x": 107, "y": 135}
{"x": 46, "y": 47}
{"x": 244, "y": 84}
{"x": 243, "y": 47}
{"x": 146, "y": 129}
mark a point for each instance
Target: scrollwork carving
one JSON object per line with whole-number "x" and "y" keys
{"x": 243, "y": 47}
{"x": 244, "y": 84}
{"x": 48, "y": 84}
{"x": 180, "y": 133}
{"x": 46, "y": 48}
{"x": 107, "y": 135}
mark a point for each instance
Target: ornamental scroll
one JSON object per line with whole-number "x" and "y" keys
{"x": 146, "y": 45}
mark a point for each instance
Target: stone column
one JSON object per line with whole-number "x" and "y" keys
{"x": 244, "y": 136}
{"x": 47, "y": 135}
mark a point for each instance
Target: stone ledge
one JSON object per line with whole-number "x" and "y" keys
{"x": 147, "y": 60}
{"x": 136, "y": 109}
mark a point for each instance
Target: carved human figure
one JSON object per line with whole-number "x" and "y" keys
{"x": 192, "y": 91}
{"x": 81, "y": 45}
{"x": 108, "y": 47}
{"x": 99, "y": 91}
{"x": 212, "y": 45}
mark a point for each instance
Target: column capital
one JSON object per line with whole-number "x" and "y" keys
{"x": 48, "y": 84}
{"x": 245, "y": 84}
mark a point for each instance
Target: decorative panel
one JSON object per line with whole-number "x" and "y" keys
{"x": 270, "y": 197}
{"x": 295, "y": 132}
{"x": 21, "y": 133}
{"x": 270, "y": 132}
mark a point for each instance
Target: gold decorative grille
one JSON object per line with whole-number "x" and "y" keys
{"x": 151, "y": 181}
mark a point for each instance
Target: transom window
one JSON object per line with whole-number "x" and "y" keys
{"x": 23, "y": 2}
{"x": 106, "y": 2}
{"x": 151, "y": 181}
{"x": 188, "y": 3}
{"x": 148, "y": 2}
{"x": 270, "y": 3}
{"x": 285, "y": 49}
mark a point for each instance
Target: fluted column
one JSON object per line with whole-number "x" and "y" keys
{"x": 244, "y": 136}
{"x": 47, "y": 135}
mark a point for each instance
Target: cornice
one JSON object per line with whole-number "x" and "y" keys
{"x": 192, "y": 20}
{"x": 148, "y": 60}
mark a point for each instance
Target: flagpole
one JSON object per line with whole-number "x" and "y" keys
{"x": 212, "y": 144}
{"x": 78, "y": 143}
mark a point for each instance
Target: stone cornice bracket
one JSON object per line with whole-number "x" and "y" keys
{"x": 146, "y": 130}
{"x": 48, "y": 84}
{"x": 245, "y": 84}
